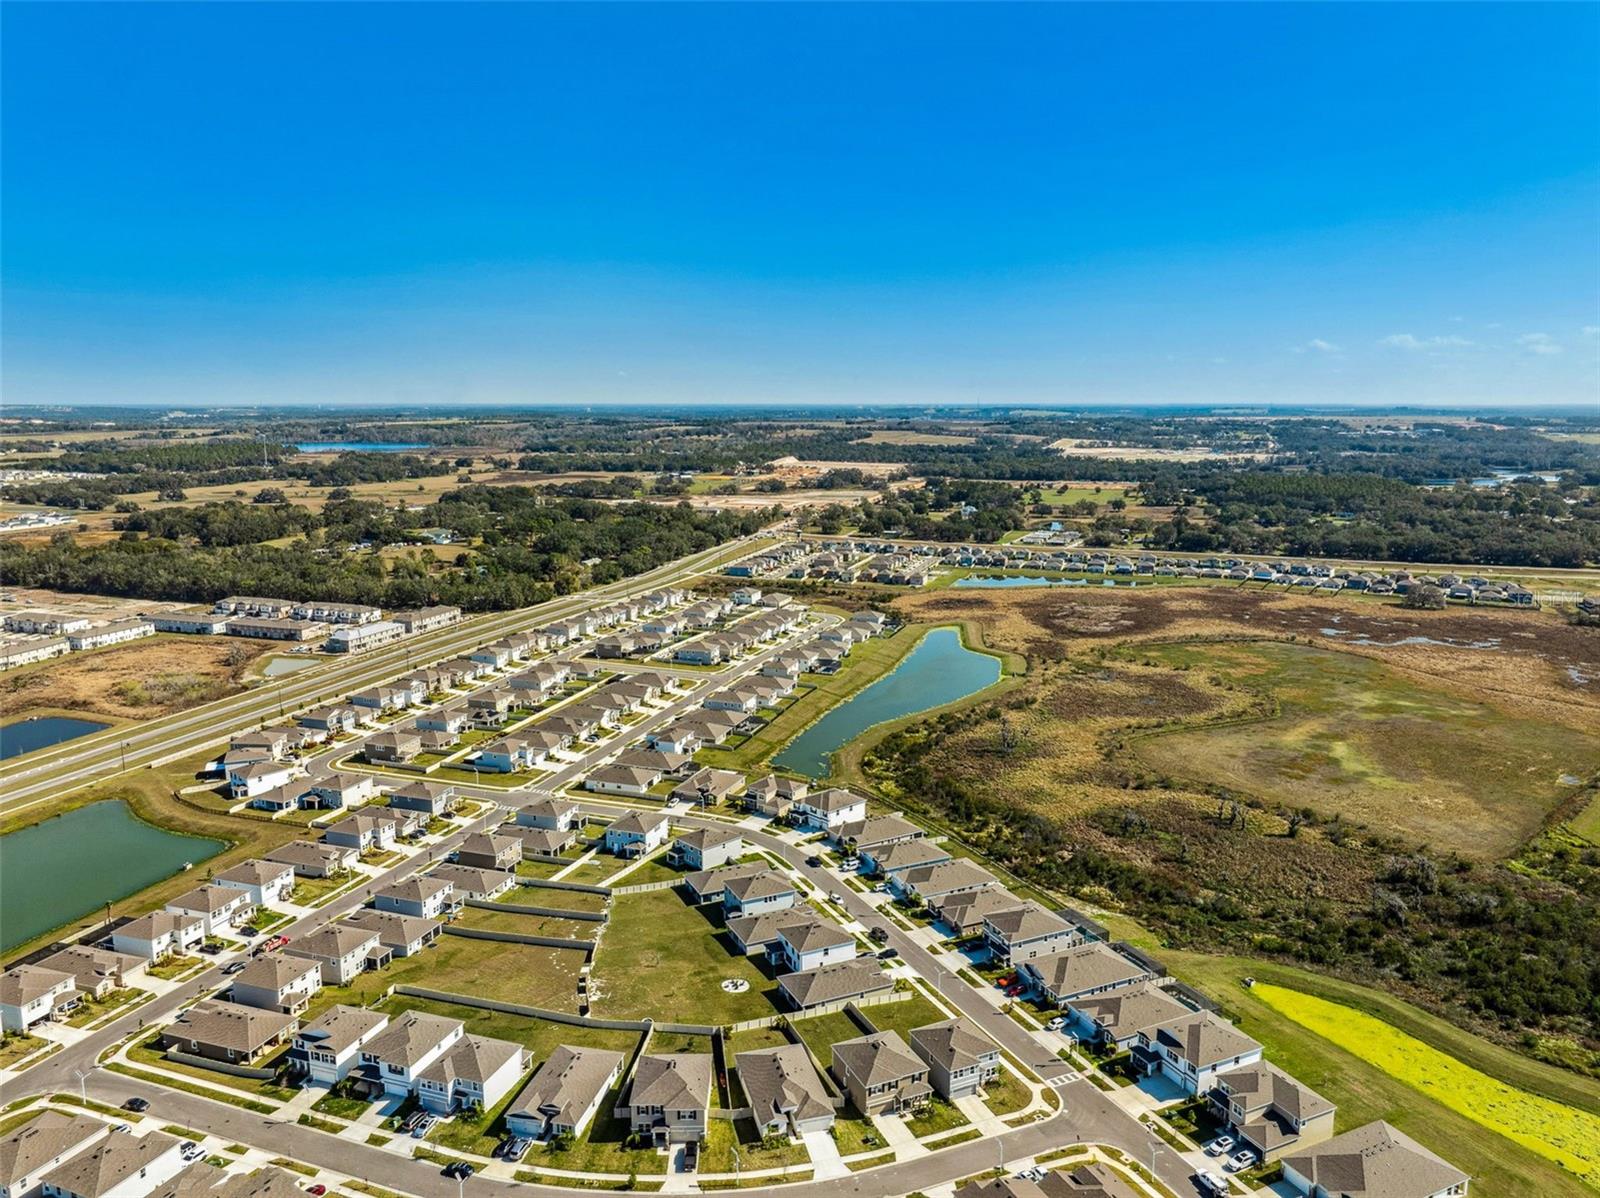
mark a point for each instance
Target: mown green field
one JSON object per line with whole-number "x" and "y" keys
{"x": 1353, "y": 737}
{"x": 1563, "y": 1134}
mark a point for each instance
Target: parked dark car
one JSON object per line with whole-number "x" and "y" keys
{"x": 879, "y": 935}
{"x": 137, "y": 1105}
{"x": 888, "y": 954}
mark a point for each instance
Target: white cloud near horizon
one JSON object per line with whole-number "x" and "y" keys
{"x": 1318, "y": 345}
{"x": 1412, "y": 341}
{"x": 1539, "y": 343}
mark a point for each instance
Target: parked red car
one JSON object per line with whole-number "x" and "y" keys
{"x": 275, "y": 943}
{"x": 1006, "y": 982}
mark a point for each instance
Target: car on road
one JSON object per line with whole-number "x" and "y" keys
{"x": 879, "y": 935}
{"x": 888, "y": 954}
{"x": 458, "y": 1169}
{"x": 137, "y": 1105}
{"x": 274, "y": 943}
{"x": 813, "y": 862}
{"x": 1240, "y": 1161}
{"x": 232, "y": 967}
{"x": 1212, "y": 1183}
{"x": 1221, "y": 1146}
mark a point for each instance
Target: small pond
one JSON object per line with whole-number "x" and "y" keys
{"x": 72, "y": 865}
{"x": 939, "y": 670}
{"x": 41, "y": 732}
{"x": 276, "y": 667}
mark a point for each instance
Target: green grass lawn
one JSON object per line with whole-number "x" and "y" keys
{"x": 540, "y": 869}
{"x": 539, "y": 1036}
{"x": 662, "y": 956}
{"x": 148, "y": 1054}
{"x": 601, "y": 1150}
{"x": 99, "y": 1008}
{"x": 902, "y": 1016}
{"x": 724, "y": 1135}
{"x": 853, "y": 1132}
{"x": 14, "y": 1046}
{"x": 519, "y": 973}
{"x": 935, "y": 1116}
{"x": 822, "y": 1032}
{"x": 527, "y": 925}
{"x": 309, "y": 891}
{"x": 172, "y": 967}
{"x": 339, "y": 1106}
{"x": 1363, "y": 1091}
{"x": 754, "y": 1040}
{"x": 1006, "y": 1095}
{"x": 655, "y": 869}
{"x": 556, "y": 899}
{"x": 1355, "y": 737}
{"x": 595, "y": 871}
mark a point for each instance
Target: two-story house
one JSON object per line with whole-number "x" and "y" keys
{"x": 1269, "y": 1111}
{"x": 881, "y": 1074}
{"x": 328, "y": 1047}
{"x": 1026, "y": 931}
{"x": 565, "y": 1093}
{"x": 669, "y": 1098}
{"x": 1194, "y": 1050}
{"x": 342, "y": 951}
{"x": 787, "y": 1096}
{"x": 961, "y": 1060}
{"x": 277, "y": 983}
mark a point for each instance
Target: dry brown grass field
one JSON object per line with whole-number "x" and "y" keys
{"x": 137, "y": 680}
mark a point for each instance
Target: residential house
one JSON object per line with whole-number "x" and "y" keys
{"x": 852, "y": 980}
{"x": 96, "y": 971}
{"x": 275, "y": 982}
{"x": 452, "y": 720}
{"x": 342, "y": 951}
{"x": 876, "y": 832}
{"x": 1269, "y": 1111}
{"x": 1026, "y": 931}
{"x": 399, "y": 935}
{"x": 669, "y": 1097}
{"x": 279, "y": 799}
{"x": 392, "y": 747}
{"x": 470, "y": 882}
{"x": 961, "y": 1060}
{"x": 828, "y": 809}
{"x": 636, "y": 834}
{"x": 622, "y": 780}
{"x": 881, "y": 1074}
{"x": 329, "y": 1047}
{"x": 394, "y": 1059}
{"x": 964, "y": 911}
{"x": 710, "y": 886}
{"x": 888, "y": 860}
{"x": 362, "y": 832}
{"x": 774, "y": 796}
{"x": 426, "y": 897}
{"x": 510, "y": 754}
{"x": 546, "y": 842}
{"x": 705, "y": 848}
{"x": 40, "y": 1145}
{"x": 550, "y": 812}
{"x": 122, "y": 1165}
{"x": 1080, "y": 971}
{"x": 489, "y": 708}
{"x": 739, "y": 700}
{"x": 765, "y": 890}
{"x": 710, "y": 786}
{"x": 256, "y": 777}
{"x": 430, "y": 799}
{"x": 472, "y": 1074}
{"x": 680, "y": 738}
{"x": 759, "y": 933}
{"x": 158, "y": 935}
{"x": 31, "y": 994}
{"x": 668, "y": 764}
{"x": 786, "y": 1095}
{"x": 486, "y": 850}
{"x": 342, "y": 790}
{"x": 314, "y": 859}
{"x": 1376, "y": 1160}
{"x": 565, "y": 1093}
{"x": 811, "y": 944}
{"x": 1193, "y": 1050}
{"x": 1112, "y": 1019}
{"x": 220, "y": 909}
{"x": 926, "y": 883}
{"x": 225, "y": 1031}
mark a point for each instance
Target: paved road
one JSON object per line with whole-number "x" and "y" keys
{"x": 61, "y": 769}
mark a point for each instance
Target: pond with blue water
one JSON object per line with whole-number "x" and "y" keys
{"x": 72, "y": 865}
{"x": 27, "y": 736}
{"x": 939, "y": 670}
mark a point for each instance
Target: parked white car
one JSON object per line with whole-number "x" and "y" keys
{"x": 1221, "y": 1146}
{"x": 1240, "y": 1161}
{"x": 1056, "y": 1023}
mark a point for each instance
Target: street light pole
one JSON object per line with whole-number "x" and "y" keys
{"x": 83, "y": 1090}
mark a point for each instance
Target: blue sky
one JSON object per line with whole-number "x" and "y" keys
{"x": 784, "y": 203}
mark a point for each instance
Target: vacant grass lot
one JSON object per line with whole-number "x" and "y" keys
{"x": 1569, "y": 1137}
{"x": 666, "y": 959}
{"x": 519, "y": 973}
{"x": 483, "y": 919}
{"x": 1354, "y": 1078}
{"x": 1352, "y": 736}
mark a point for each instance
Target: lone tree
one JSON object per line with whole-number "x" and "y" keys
{"x": 1424, "y": 598}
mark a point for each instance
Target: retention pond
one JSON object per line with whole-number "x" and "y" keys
{"x": 939, "y": 670}
{"x": 72, "y": 865}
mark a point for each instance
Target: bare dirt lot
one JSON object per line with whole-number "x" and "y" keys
{"x": 137, "y": 680}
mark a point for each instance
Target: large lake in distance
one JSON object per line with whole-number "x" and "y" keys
{"x": 72, "y": 865}
{"x": 939, "y": 670}
{"x": 25, "y": 736}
